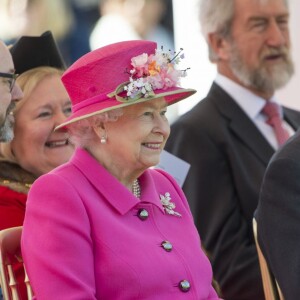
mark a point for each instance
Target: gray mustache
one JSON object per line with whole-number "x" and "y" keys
{"x": 276, "y": 51}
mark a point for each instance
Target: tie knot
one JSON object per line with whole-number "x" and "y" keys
{"x": 271, "y": 110}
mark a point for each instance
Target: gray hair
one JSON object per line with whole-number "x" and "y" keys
{"x": 216, "y": 16}
{"x": 82, "y": 133}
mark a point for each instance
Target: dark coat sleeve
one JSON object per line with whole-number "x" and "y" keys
{"x": 278, "y": 218}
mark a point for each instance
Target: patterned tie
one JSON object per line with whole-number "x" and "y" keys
{"x": 272, "y": 111}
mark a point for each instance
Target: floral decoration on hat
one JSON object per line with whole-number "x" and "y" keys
{"x": 149, "y": 73}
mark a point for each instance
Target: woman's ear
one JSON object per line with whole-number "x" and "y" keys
{"x": 99, "y": 129}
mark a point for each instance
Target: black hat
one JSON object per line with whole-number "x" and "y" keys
{"x": 36, "y": 51}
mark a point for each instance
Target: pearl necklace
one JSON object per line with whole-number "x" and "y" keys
{"x": 136, "y": 189}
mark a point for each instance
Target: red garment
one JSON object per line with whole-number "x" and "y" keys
{"x": 12, "y": 211}
{"x": 12, "y": 208}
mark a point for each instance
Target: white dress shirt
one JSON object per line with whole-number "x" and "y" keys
{"x": 252, "y": 105}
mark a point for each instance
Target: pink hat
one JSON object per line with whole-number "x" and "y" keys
{"x": 122, "y": 74}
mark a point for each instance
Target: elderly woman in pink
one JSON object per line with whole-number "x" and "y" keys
{"x": 105, "y": 225}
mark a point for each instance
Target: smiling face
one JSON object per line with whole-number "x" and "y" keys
{"x": 136, "y": 139}
{"x": 257, "y": 54}
{"x": 37, "y": 148}
{"x": 7, "y": 97}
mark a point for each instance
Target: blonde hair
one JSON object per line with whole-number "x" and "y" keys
{"x": 27, "y": 82}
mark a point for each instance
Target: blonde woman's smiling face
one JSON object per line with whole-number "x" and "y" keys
{"x": 37, "y": 148}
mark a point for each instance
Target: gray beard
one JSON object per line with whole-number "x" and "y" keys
{"x": 6, "y": 131}
{"x": 7, "y": 125}
{"x": 261, "y": 78}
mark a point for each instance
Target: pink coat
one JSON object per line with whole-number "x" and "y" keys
{"x": 85, "y": 238}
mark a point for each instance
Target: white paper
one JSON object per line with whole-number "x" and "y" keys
{"x": 175, "y": 166}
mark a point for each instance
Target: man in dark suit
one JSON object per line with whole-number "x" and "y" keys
{"x": 226, "y": 139}
{"x": 278, "y": 217}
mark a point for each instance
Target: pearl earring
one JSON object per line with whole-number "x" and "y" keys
{"x": 103, "y": 140}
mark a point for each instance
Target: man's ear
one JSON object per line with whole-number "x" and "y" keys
{"x": 220, "y": 46}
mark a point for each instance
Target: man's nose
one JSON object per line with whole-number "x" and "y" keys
{"x": 16, "y": 93}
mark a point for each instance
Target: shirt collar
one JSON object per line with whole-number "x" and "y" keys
{"x": 248, "y": 101}
{"x": 112, "y": 190}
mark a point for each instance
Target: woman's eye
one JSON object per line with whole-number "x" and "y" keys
{"x": 68, "y": 111}
{"x": 147, "y": 113}
{"x": 44, "y": 114}
{"x": 163, "y": 113}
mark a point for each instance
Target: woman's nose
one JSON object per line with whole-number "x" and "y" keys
{"x": 60, "y": 118}
{"x": 162, "y": 126}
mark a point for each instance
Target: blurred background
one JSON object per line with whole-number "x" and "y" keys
{"x": 83, "y": 25}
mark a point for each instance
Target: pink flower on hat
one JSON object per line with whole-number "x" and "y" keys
{"x": 140, "y": 65}
{"x": 153, "y": 72}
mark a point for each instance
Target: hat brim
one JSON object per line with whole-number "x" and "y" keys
{"x": 171, "y": 95}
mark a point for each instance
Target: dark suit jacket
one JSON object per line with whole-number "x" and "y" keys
{"x": 278, "y": 217}
{"x": 228, "y": 157}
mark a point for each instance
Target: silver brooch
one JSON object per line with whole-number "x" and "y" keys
{"x": 168, "y": 205}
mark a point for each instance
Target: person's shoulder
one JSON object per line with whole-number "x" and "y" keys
{"x": 158, "y": 173}
{"x": 200, "y": 115}
{"x": 62, "y": 174}
{"x": 63, "y": 168}
{"x": 208, "y": 110}
{"x": 203, "y": 119}
{"x": 162, "y": 177}
{"x": 163, "y": 180}
{"x": 292, "y": 111}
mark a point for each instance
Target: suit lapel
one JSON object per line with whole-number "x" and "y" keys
{"x": 240, "y": 124}
{"x": 292, "y": 117}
